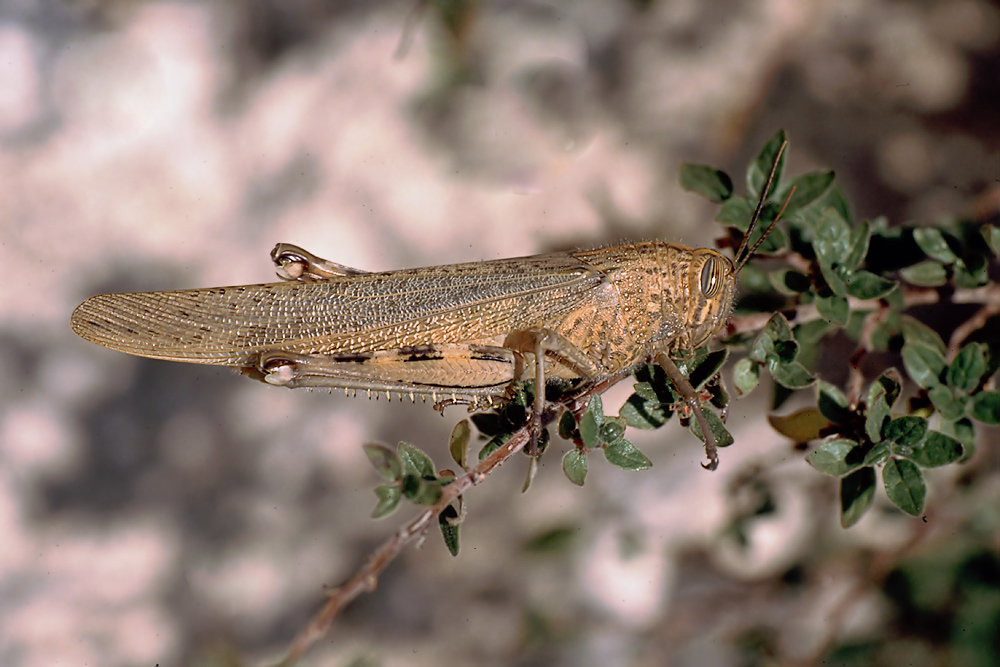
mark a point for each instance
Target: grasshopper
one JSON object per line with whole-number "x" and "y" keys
{"x": 459, "y": 334}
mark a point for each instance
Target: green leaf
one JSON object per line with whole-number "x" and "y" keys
{"x": 946, "y": 402}
{"x": 589, "y": 429}
{"x": 968, "y": 368}
{"x": 928, "y": 273}
{"x": 834, "y": 457}
{"x": 932, "y": 241}
{"x": 833, "y": 278}
{"x": 723, "y": 438}
{"x": 986, "y": 407}
{"x": 904, "y": 484}
{"x": 810, "y": 333}
{"x": 832, "y": 243}
{"x": 924, "y": 364}
{"x": 971, "y": 273}
{"x": 963, "y": 431}
{"x": 450, "y": 523}
{"x": 887, "y": 384}
{"x": 937, "y": 449}
{"x": 915, "y": 331}
{"x": 712, "y": 184}
{"x": 789, "y": 281}
{"x": 421, "y": 491}
{"x": 707, "y": 368}
{"x": 415, "y": 462}
{"x": 388, "y": 500}
{"x": 878, "y": 416}
{"x": 643, "y": 413}
{"x": 567, "y": 425}
{"x": 458, "y": 443}
{"x": 385, "y": 461}
{"x": 625, "y": 455}
{"x": 866, "y": 285}
{"x": 992, "y": 235}
{"x": 495, "y": 443}
{"x": 760, "y": 169}
{"x": 906, "y": 431}
{"x": 857, "y": 490}
{"x": 574, "y": 465}
{"x": 800, "y": 426}
{"x": 792, "y": 375}
{"x": 612, "y": 429}
{"x": 833, "y": 308}
{"x": 746, "y": 374}
{"x": 809, "y": 189}
{"x": 736, "y": 212}
{"x": 860, "y": 237}
{"x": 832, "y": 403}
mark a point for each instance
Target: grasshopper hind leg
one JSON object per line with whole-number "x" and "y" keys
{"x": 693, "y": 401}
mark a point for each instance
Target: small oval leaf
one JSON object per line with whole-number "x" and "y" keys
{"x": 857, "y": 490}
{"x": 574, "y": 465}
{"x": 904, "y": 484}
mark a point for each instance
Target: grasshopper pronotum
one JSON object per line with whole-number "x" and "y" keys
{"x": 460, "y": 333}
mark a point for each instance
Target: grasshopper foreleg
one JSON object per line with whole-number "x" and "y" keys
{"x": 294, "y": 263}
{"x": 691, "y": 398}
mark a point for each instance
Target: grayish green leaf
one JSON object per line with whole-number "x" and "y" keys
{"x": 833, "y": 308}
{"x": 968, "y": 368}
{"x": 857, "y": 490}
{"x": 723, "y": 438}
{"x": 385, "y": 461}
{"x": 712, "y": 184}
{"x": 928, "y": 273}
{"x": 907, "y": 430}
{"x": 986, "y": 407}
{"x": 866, "y": 285}
{"x": 415, "y": 461}
{"x": 574, "y": 465}
{"x": 932, "y": 241}
{"x": 946, "y": 403}
{"x": 904, "y": 484}
{"x": 937, "y": 449}
{"x": 388, "y": 500}
{"x": 625, "y": 455}
{"x": 746, "y": 374}
{"x": 458, "y": 443}
{"x": 924, "y": 364}
{"x": 915, "y": 331}
{"x": 831, "y": 458}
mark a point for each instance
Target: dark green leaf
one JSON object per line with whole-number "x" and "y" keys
{"x": 906, "y": 431}
{"x": 856, "y": 493}
{"x": 925, "y": 365}
{"x": 833, "y": 278}
{"x": 567, "y": 425}
{"x": 450, "y": 523}
{"x": 986, "y": 407}
{"x": 946, "y": 402}
{"x": 707, "y": 368}
{"x": 458, "y": 443}
{"x": 488, "y": 423}
{"x": 574, "y": 465}
{"x": 833, "y": 457}
{"x": 712, "y": 184}
{"x": 809, "y": 189}
{"x": 860, "y": 236}
{"x": 832, "y": 403}
{"x": 810, "y": 333}
{"x": 776, "y": 241}
{"x": 625, "y": 455}
{"x": 904, "y": 484}
{"x": 723, "y": 438}
{"x": 736, "y": 213}
{"x": 643, "y": 413}
{"x": 791, "y": 375}
{"x": 971, "y": 273}
{"x": 777, "y": 328}
{"x": 833, "y": 308}
{"x": 832, "y": 243}
{"x": 421, "y": 491}
{"x": 760, "y": 169}
{"x": 878, "y": 416}
{"x": 388, "y": 500}
{"x": 385, "y": 461}
{"x": 866, "y": 285}
{"x": 612, "y": 429}
{"x": 887, "y": 384}
{"x": 800, "y": 426}
{"x": 915, "y": 331}
{"x": 746, "y": 374}
{"x": 968, "y": 368}
{"x": 937, "y": 450}
{"x": 589, "y": 429}
{"x": 495, "y": 443}
{"x": 878, "y": 455}
{"x": 963, "y": 431}
{"x": 992, "y": 235}
{"x": 415, "y": 461}
{"x": 789, "y": 281}
{"x": 928, "y": 273}
{"x": 932, "y": 241}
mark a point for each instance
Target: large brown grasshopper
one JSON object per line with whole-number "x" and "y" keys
{"x": 460, "y": 333}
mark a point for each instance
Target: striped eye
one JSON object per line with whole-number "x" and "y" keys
{"x": 712, "y": 277}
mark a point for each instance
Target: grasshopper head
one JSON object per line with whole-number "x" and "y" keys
{"x": 711, "y": 290}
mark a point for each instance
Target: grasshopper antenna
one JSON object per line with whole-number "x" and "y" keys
{"x": 742, "y": 254}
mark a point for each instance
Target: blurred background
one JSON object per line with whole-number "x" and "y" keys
{"x": 158, "y": 513}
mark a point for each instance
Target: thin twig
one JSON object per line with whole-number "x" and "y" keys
{"x": 366, "y": 578}
{"x": 990, "y": 298}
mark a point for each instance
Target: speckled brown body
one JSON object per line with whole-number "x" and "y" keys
{"x": 451, "y": 329}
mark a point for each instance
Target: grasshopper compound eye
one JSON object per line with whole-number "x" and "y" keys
{"x": 712, "y": 277}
